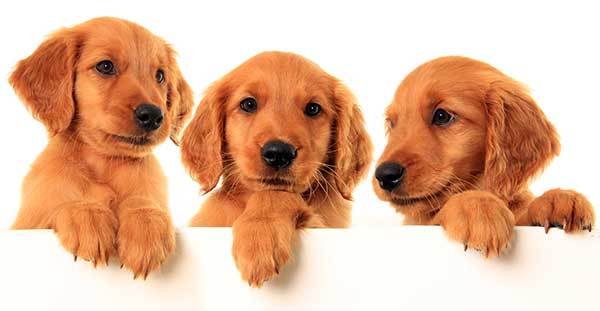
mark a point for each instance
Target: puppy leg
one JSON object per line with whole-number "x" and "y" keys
{"x": 220, "y": 209}
{"x": 566, "y": 209}
{"x": 146, "y": 235}
{"x": 79, "y": 212}
{"x": 263, "y": 234}
{"x": 479, "y": 220}
{"x": 88, "y": 231}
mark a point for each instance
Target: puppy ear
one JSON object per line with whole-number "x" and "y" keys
{"x": 352, "y": 146}
{"x": 202, "y": 141}
{"x": 44, "y": 81}
{"x": 520, "y": 140}
{"x": 181, "y": 100}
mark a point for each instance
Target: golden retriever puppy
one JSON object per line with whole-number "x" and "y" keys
{"x": 464, "y": 141}
{"x": 108, "y": 91}
{"x": 289, "y": 141}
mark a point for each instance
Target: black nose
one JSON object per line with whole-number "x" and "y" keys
{"x": 389, "y": 175}
{"x": 278, "y": 154}
{"x": 148, "y": 117}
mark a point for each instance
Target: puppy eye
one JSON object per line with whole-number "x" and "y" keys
{"x": 160, "y": 76}
{"x": 312, "y": 109}
{"x": 442, "y": 117}
{"x": 249, "y": 105}
{"x": 389, "y": 124}
{"x": 106, "y": 67}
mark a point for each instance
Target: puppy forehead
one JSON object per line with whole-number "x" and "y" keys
{"x": 282, "y": 74}
{"x": 120, "y": 39}
{"x": 284, "y": 61}
{"x": 275, "y": 84}
{"x": 455, "y": 81}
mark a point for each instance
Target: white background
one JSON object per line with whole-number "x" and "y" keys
{"x": 333, "y": 270}
{"x": 550, "y": 47}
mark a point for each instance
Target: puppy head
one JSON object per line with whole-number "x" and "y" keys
{"x": 457, "y": 124}
{"x": 109, "y": 82}
{"x": 278, "y": 121}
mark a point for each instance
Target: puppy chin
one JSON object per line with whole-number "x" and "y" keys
{"x": 135, "y": 146}
{"x": 273, "y": 183}
{"x": 409, "y": 204}
{"x": 134, "y": 141}
{"x": 268, "y": 184}
{"x": 124, "y": 149}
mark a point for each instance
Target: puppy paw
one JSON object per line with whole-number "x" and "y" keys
{"x": 565, "y": 209}
{"x": 479, "y": 220}
{"x": 260, "y": 249}
{"x": 87, "y": 231}
{"x": 146, "y": 238}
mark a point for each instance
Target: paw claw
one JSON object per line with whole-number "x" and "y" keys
{"x": 83, "y": 230}
{"x": 557, "y": 225}
{"x": 258, "y": 267}
{"x": 587, "y": 227}
{"x": 479, "y": 220}
{"x": 564, "y": 209}
{"x": 154, "y": 241}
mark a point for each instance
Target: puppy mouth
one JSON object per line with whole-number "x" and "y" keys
{"x": 132, "y": 140}
{"x": 406, "y": 201}
{"x": 411, "y": 201}
{"x": 274, "y": 181}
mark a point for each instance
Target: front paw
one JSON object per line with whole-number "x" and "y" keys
{"x": 260, "y": 249}
{"x": 87, "y": 231}
{"x": 565, "y": 209}
{"x": 146, "y": 238}
{"x": 479, "y": 220}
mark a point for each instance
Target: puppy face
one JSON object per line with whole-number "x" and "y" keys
{"x": 279, "y": 117}
{"x": 446, "y": 134}
{"x": 109, "y": 82}
{"x": 278, "y": 122}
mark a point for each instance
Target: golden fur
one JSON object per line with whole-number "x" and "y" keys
{"x": 334, "y": 152}
{"x": 102, "y": 193}
{"x": 472, "y": 175}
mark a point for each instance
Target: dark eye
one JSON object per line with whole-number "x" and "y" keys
{"x": 249, "y": 105}
{"x": 160, "y": 76}
{"x": 442, "y": 117}
{"x": 312, "y": 109}
{"x": 106, "y": 67}
{"x": 389, "y": 124}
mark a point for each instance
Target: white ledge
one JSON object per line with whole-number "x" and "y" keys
{"x": 415, "y": 268}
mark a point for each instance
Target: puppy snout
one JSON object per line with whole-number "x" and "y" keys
{"x": 278, "y": 154}
{"x": 148, "y": 117}
{"x": 389, "y": 175}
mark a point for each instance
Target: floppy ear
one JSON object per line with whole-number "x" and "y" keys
{"x": 202, "y": 141}
{"x": 181, "y": 100}
{"x": 520, "y": 140}
{"x": 352, "y": 146}
{"x": 44, "y": 81}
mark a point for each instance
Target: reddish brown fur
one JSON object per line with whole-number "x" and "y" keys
{"x": 472, "y": 175}
{"x": 334, "y": 152}
{"x": 102, "y": 196}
